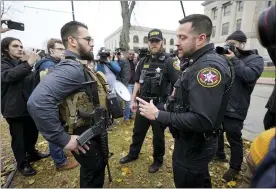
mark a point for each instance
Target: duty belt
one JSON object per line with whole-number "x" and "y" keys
{"x": 206, "y": 135}
{"x": 147, "y": 98}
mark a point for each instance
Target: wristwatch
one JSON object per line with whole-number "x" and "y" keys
{"x": 156, "y": 114}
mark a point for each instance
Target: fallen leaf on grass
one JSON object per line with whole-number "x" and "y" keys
{"x": 9, "y": 168}
{"x": 63, "y": 183}
{"x": 125, "y": 169}
{"x": 30, "y": 182}
{"x": 119, "y": 180}
{"x": 159, "y": 185}
{"x": 123, "y": 173}
{"x": 3, "y": 179}
{"x": 127, "y": 139}
{"x": 233, "y": 183}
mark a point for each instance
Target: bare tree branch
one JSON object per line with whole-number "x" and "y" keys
{"x": 3, "y": 11}
{"x": 131, "y": 8}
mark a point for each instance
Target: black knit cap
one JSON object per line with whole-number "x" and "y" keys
{"x": 238, "y": 36}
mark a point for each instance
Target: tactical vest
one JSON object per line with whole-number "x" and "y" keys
{"x": 80, "y": 101}
{"x": 151, "y": 78}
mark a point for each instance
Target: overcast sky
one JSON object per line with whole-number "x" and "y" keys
{"x": 102, "y": 17}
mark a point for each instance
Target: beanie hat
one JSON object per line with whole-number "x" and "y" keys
{"x": 260, "y": 145}
{"x": 238, "y": 36}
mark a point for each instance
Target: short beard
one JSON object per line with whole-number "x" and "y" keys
{"x": 85, "y": 55}
{"x": 159, "y": 51}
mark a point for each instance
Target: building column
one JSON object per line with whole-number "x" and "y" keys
{"x": 218, "y": 23}
{"x": 233, "y": 19}
{"x": 248, "y": 17}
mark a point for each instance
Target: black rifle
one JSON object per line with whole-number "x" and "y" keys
{"x": 98, "y": 122}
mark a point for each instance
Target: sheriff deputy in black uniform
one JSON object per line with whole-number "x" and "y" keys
{"x": 198, "y": 108}
{"x": 153, "y": 75}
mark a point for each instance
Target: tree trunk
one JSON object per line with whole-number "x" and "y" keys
{"x": 127, "y": 8}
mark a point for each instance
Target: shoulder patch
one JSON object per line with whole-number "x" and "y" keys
{"x": 176, "y": 64}
{"x": 209, "y": 77}
{"x": 146, "y": 66}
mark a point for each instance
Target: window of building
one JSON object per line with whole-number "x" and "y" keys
{"x": 171, "y": 42}
{"x": 171, "y": 50}
{"x": 164, "y": 41}
{"x": 214, "y": 13}
{"x": 225, "y": 28}
{"x": 238, "y": 24}
{"x": 145, "y": 40}
{"x": 214, "y": 31}
{"x": 226, "y": 9}
{"x": 240, "y": 5}
{"x": 136, "y": 49}
{"x": 135, "y": 39}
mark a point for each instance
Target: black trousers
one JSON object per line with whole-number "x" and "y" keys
{"x": 232, "y": 127}
{"x": 269, "y": 120}
{"x": 92, "y": 165}
{"x": 187, "y": 178}
{"x": 24, "y": 135}
{"x": 140, "y": 130}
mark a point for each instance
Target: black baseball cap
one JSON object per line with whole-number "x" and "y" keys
{"x": 155, "y": 34}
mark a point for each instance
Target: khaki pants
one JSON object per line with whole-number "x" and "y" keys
{"x": 250, "y": 171}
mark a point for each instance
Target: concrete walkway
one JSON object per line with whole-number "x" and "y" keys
{"x": 266, "y": 81}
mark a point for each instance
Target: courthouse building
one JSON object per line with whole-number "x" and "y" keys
{"x": 139, "y": 38}
{"x": 228, "y": 16}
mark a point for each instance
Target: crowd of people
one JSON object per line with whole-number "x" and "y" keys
{"x": 199, "y": 94}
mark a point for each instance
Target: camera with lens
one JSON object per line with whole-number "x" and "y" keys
{"x": 103, "y": 54}
{"x": 224, "y": 49}
{"x": 142, "y": 52}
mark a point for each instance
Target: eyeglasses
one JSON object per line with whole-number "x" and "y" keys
{"x": 88, "y": 39}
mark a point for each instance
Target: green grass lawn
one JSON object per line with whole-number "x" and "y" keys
{"x": 270, "y": 74}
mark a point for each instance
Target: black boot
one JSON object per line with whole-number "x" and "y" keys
{"x": 36, "y": 156}
{"x": 26, "y": 169}
{"x": 127, "y": 159}
{"x": 155, "y": 166}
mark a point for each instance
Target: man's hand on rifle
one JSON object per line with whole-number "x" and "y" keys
{"x": 74, "y": 146}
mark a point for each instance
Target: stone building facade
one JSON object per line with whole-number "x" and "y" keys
{"x": 139, "y": 38}
{"x": 229, "y": 16}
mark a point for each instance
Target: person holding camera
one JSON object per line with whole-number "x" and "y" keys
{"x": 15, "y": 66}
{"x": 248, "y": 67}
{"x": 152, "y": 76}
{"x": 108, "y": 66}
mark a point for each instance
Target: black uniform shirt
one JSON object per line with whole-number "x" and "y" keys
{"x": 171, "y": 71}
{"x": 204, "y": 82}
